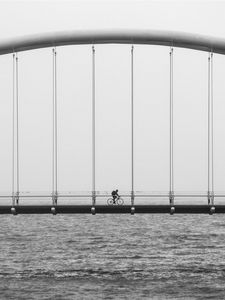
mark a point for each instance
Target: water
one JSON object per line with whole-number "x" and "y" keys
{"x": 112, "y": 257}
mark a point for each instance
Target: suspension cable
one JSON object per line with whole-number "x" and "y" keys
{"x": 171, "y": 128}
{"x": 93, "y": 126}
{"x": 132, "y": 125}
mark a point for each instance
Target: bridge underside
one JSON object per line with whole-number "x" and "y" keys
{"x": 114, "y": 209}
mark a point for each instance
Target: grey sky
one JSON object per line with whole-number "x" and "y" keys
{"x": 151, "y": 92}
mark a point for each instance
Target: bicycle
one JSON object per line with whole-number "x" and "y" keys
{"x": 117, "y": 201}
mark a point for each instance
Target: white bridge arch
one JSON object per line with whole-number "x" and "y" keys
{"x": 81, "y": 37}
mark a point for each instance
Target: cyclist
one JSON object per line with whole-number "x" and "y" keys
{"x": 115, "y": 196}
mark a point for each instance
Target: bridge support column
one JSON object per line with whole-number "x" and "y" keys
{"x": 53, "y": 211}
{"x": 132, "y": 211}
{"x": 212, "y": 210}
{"x": 13, "y": 211}
{"x": 172, "y": 210}
{"x": 93, "y": 210}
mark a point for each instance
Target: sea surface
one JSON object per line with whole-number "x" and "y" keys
{"x": 112, "y": 257}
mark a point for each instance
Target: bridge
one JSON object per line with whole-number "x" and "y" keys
{"x": 15, "y": 198}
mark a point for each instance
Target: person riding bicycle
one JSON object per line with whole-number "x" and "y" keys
{"x": 115, "y": 196}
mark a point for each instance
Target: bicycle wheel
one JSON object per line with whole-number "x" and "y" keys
{"x": 120, "y": 201}
{"x": 110, "y": 201}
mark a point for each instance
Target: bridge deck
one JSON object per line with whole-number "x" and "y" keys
{"x": 104, "y": 209}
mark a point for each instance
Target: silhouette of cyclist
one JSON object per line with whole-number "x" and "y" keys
{"x": 115, "y": 196}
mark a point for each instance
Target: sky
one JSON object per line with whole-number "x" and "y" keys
{"x": 151, "y": 98}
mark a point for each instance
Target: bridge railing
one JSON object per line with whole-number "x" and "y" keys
{"x": 106, "y": 194}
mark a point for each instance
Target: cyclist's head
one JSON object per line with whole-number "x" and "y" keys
{"x": 117, "y": 191}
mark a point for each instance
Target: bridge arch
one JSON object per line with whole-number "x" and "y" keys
{"x": 81, "y": 37}
{"x": 91, "y": 37}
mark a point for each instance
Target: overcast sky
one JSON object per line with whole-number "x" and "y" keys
{"x": 151, "y": 92}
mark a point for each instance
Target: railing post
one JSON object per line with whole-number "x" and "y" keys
{"x": 171, "y": 198}
{"x": 209, "y": 197}
{"x": 132, "y": 198}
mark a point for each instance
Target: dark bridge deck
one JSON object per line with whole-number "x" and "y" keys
{"x": 103, "y": 209}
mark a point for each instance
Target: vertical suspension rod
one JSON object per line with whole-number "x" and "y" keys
{"x": 17, "y": 129}
{"x": 212, "y": 136}
{"x": 54, "y": 131}
{"x": 210, "y": 131}
{"x": 209, "y": 128}
{"x": 93, "y": 127}
{"x": 13, "y": 135}
{"x": 53, "y": 125}
{"x": 132, "y": 125}
{"x": 171, "y": 130}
